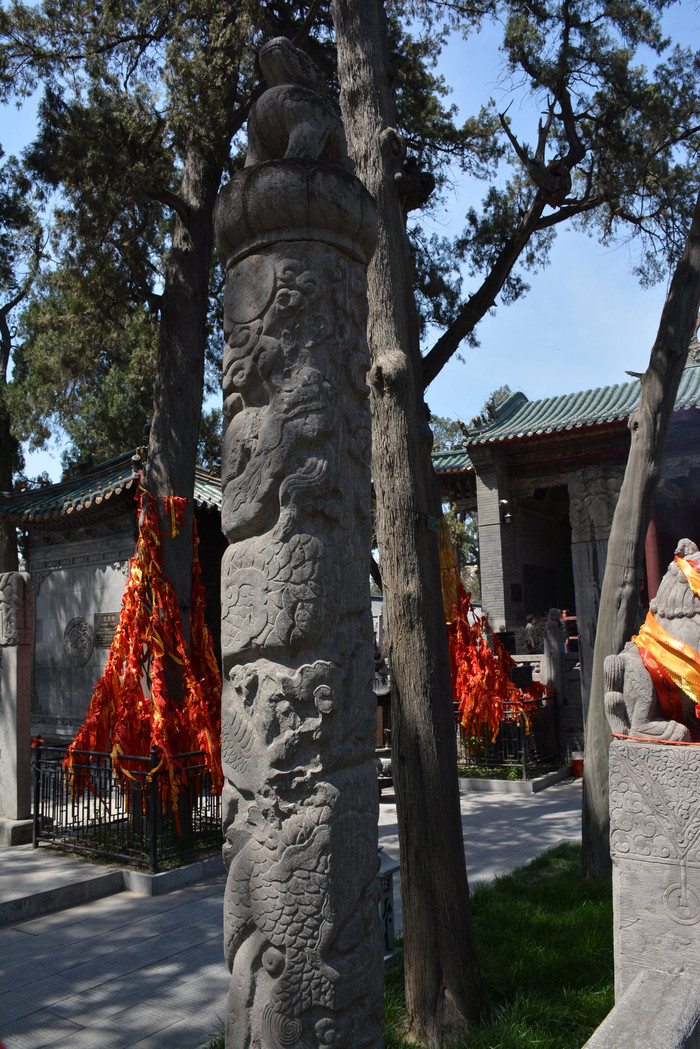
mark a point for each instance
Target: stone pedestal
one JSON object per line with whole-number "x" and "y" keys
{"x": 16, "y": 623}
{"x": 655, "y": 847}
{"x": 295, "y": 231}
{"x": 657, "y": 1011}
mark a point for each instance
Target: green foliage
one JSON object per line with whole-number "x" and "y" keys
{"x": 488, "y": 231}
{"x": 135, "y": 96}
{"x": 18, "y": 228}
{"x": 131, "y": 90}
{"x": 491, "y": 405}
{"x": 614, "y": 153}
{"x": 544, "y": 942}
{"x": 448, "y": 434}
{"x": 503, "y": 772}
{"x": 210, "y": 439}
{"x": 217, "y": 1039}
{"x": 437, "y": 283}
{"x": 86, "y": 363}
{"x": 21, "y": 252}
{"x": 426, "y": 123}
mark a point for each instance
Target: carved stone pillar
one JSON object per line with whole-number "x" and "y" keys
{"x": 593, "y": 495}
{"x": 16, "y": 629}
{"x": 295, "y": 231}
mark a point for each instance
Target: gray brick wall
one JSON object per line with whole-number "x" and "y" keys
{"x": 75, "y": 574}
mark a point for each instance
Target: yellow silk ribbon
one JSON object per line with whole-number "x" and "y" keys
{"x": 449, "y": 576}
{"x": 679, "y": 661}
{"x": 691, "y": 571}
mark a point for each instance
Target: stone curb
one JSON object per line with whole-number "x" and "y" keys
{"x": 111, "y": 881}
{"x": 507, "y": 786}
{"x": 177, "y": 878}
{"x": 91, "y": 887}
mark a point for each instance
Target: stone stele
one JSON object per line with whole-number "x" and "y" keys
{"x": 295, "y": 230}
{"x": 655, "y": 803}
{"x": 16, "y": 635}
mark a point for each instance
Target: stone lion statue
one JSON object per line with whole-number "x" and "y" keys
{"x": 653, "y": 685}
{"x": 293, "y": 118}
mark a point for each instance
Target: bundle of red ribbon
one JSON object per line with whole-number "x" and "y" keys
{"x": 131, "y": 710}
{"x": 483, "y": 695}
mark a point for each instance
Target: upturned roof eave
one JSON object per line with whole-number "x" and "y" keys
{"x": 99, "y": 492}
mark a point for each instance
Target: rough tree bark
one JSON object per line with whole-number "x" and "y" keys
{"x": 172, "y": 448}
{"x": 443, "y": 982}
{"x": 8, "y": 533}
{"x": 9, "y": 444}
{"x": 619, "y": 596}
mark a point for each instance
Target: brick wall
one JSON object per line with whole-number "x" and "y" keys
{"x": 75, "y": 575}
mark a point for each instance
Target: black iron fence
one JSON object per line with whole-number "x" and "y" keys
{"x": 88, "y": 809}
{"x": 523, "y": 740}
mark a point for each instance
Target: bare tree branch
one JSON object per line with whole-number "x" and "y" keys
{"x": 171, "y": 200}
{"x": 7, "y": 307}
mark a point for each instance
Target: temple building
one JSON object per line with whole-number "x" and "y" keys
{"x": 543, "y": 478}
{"x": 76, "y": 540}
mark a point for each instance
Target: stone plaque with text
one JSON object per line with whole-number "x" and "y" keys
{"x": 105, "y": 625}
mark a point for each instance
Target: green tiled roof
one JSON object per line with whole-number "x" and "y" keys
{"x": 519, "y": 418}
{"x": 96, "y": 489}
{"x": 207, "y": 490}
{"x": 451, "y": 462}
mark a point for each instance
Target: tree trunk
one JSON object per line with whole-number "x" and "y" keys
{"x": 172, "y": 447}
{"x": 8, "y": 450}
{"x": 8, "y": 445}
{"x": 617, "y": 619}
{"x": 443, "y": 983}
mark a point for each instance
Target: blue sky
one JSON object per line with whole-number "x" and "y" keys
{"x": 585, "y": 321}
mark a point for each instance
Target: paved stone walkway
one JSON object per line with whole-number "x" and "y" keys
{"x": 133, "y": 970}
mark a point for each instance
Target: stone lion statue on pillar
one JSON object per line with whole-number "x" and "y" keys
{"x": 652, "y": 688}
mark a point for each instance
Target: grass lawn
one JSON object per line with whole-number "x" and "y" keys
{"x": 544, "y": 943}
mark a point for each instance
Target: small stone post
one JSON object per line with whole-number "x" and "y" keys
{"x": 554, "y": 645}
{"x": 593, "y": 495}
{"x": 16, "y": 628}
{"x": 295, "y": 230}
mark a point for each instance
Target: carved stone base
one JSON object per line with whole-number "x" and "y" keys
{"x": 15, "y": 832}
{"x": 655, "y": 848}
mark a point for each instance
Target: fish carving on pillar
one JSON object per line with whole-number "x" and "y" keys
{"x": 295, "y": 230}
